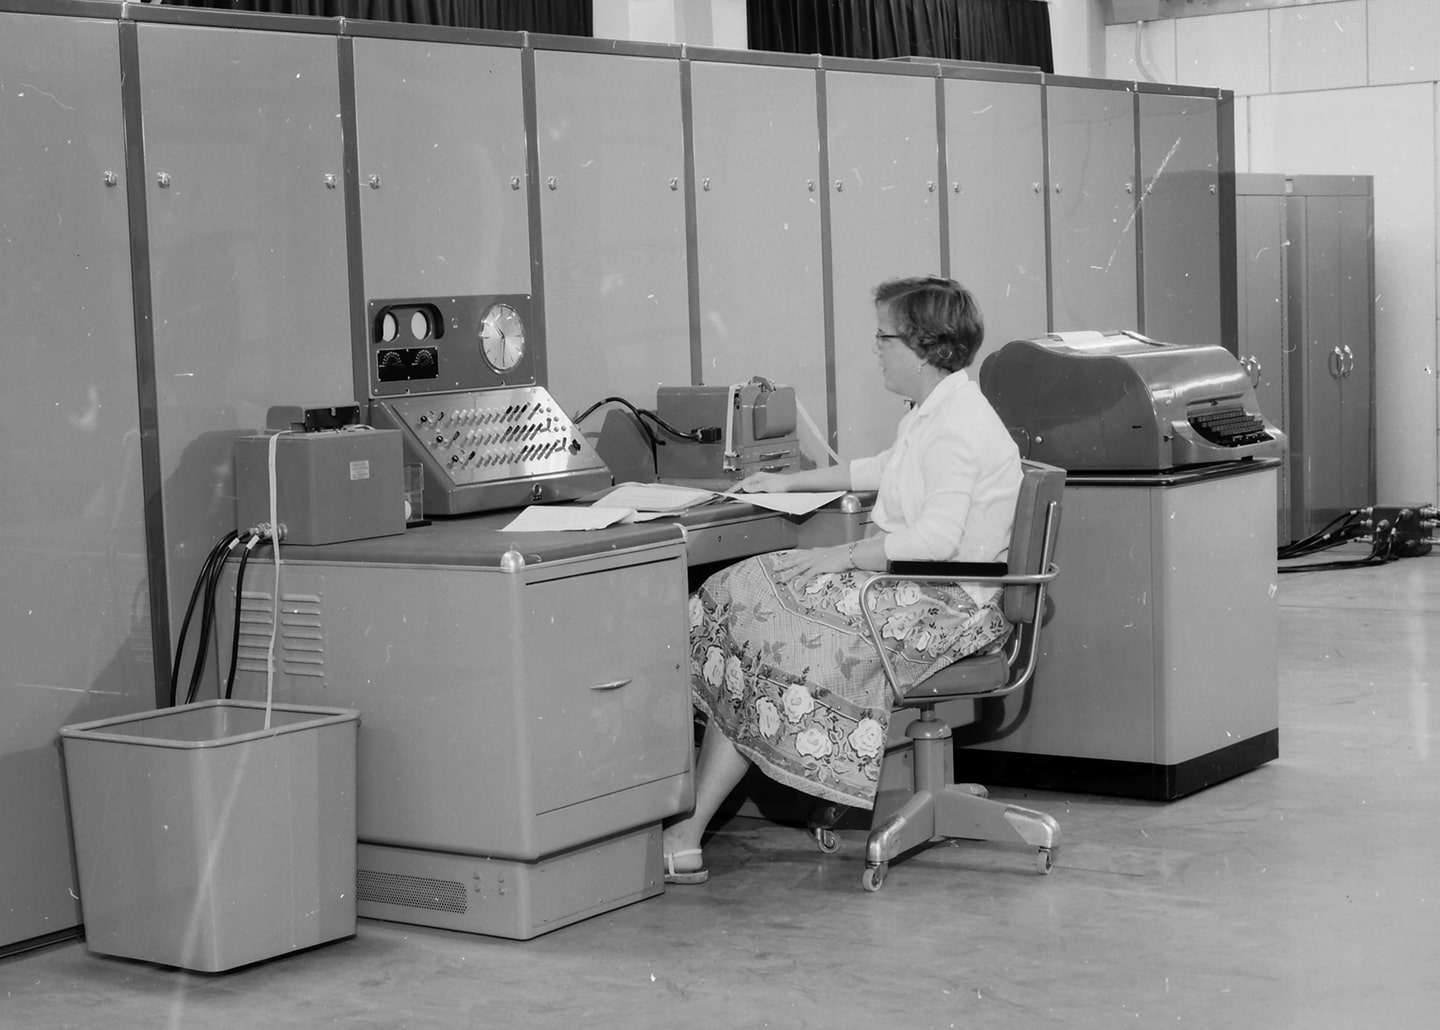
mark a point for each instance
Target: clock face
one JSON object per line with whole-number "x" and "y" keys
{"x": 502, "y": 337}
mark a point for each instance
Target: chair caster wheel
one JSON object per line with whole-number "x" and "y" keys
{"x": 874, "y": 876}
{"x": 1044, "y": 862}
{"x": 826, "y": 840}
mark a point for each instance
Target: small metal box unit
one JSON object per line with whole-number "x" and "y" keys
{"x": 332, "y": 485}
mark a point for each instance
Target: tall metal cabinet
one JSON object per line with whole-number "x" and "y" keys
{"x": 1093, "y": 263}
{"x": 883, "y": 147}
{"x": 995, "y": 175}
{"x": 1179, "y": 193}
{"x": 1262, "y": 297}
{"x": 75, "y": 623}
{"x": 248, "y": 282}
{"x": 1330, "y": 225}
{"x": 758, "y": 250}
{"x": 443, "y": 185}
{"x": 609, "y": 130}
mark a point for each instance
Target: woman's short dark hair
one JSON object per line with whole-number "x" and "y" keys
{"x": 938, "y": 318}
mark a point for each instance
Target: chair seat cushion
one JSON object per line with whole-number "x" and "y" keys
{"x": 977, "y": 674}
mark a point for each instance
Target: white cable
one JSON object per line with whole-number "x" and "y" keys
{"x": 732, "y": 406}
{"x": 1139, "y": 55}
{"x": 815, "y": 431}
{"x": 275, "y": 590}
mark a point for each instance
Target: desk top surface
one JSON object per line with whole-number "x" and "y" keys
{"x": 481, "y": 540}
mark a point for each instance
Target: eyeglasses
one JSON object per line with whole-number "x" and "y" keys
{"x": 887, "y": 336}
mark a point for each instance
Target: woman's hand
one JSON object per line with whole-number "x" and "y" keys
{"x": 804, "y": 565}
{"x": 763, "y": 483}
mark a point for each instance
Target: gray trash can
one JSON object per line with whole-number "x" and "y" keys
{"x": 206, "y": 841}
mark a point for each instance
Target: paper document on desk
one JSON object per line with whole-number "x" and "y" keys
{"x": 541, "y": 518}
{"x": 656, "y": 497}
{"x": 656, "y": 500}
{"x": 792, "y": 503}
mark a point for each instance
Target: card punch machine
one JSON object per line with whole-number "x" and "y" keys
{"x": 1119, "y": 402}
{"x": 758, "y": 430}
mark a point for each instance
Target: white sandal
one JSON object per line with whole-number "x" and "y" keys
{"x": 687, "y": 876}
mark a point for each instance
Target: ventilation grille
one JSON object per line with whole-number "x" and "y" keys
{"x": 411, "y": 891}
{"x": 300, "y": 642}
{"x": 1231, "y": 427}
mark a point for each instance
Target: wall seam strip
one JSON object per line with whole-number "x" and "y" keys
{"x": 151, "y": 473}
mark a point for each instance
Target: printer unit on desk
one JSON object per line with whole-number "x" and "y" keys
{"x": 757, "y": 424}
{"x": 1118, "y": 402}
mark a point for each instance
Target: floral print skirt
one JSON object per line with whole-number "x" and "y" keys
{"x": 792, "y": 678}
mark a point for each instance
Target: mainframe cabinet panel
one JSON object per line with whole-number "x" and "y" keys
{"x": 443, "y": 188}
{"x": 1093, "y": 262}
{"x": 759, "y": 258}
{"x": 883, "y": 148}
{"x": 243, "y": 158}
{"x": 612, "y": 217}
{"x": 1180, "y": 218}
{"x": 74, "y": 604}
{"x": 995, "y": 164}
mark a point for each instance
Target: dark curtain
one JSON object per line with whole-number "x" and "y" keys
{"x": 561, "y": 17}
{"x": 994, "y": 31}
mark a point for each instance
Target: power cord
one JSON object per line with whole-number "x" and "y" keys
{"x": 645, "y": 419}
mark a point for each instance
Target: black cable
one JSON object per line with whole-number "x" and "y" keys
{"x": 1319, "y": 534}
{"x": 226, "y": 543}
{"x": 1339, "y": 530}
{"x": 235, "y": 635}
{"x": 207, "y": 624}
{"x": 650, "y": 436}
{"x": 1382, "y": 551}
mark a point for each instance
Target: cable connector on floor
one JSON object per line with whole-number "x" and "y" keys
{"x": 1409, "y": 527}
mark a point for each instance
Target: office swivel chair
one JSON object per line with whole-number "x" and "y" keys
{"x": 939, "y": 808}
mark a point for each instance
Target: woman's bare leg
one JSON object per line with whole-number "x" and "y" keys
{"x": 718, "y": 769}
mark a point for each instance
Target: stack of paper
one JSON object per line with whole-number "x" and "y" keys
{"x": 641, "y": 502}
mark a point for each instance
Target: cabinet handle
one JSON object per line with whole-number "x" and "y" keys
{"x": 1336, "y": 363}
{"x": 612, "y": 685}
{"x": 1349, "y": 361}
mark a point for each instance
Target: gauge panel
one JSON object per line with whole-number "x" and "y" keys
{"x": 422, "y": 345}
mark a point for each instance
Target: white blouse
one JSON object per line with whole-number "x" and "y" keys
{"x": 948, "y": 485}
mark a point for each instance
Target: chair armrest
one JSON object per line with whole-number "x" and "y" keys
{"x": 951, "y": 569}
{"x": 964, "y": 574}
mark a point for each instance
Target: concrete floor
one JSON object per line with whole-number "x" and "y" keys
{"x": 1302, "y": 894}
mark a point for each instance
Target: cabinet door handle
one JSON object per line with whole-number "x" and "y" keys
{"x": 1349, "y": 361}
{"x": 612, "y": 685}
{"x": 1336, "y": 363}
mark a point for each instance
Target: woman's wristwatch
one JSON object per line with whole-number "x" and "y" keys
{"x": 850, "y": 555}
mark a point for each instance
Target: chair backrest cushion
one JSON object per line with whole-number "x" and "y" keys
{"x": 1041, "y": 485}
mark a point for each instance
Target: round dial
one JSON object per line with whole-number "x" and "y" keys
{"x": 502, "y": 337}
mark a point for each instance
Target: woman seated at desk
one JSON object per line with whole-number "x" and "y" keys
{"x": 780, "y": 657}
